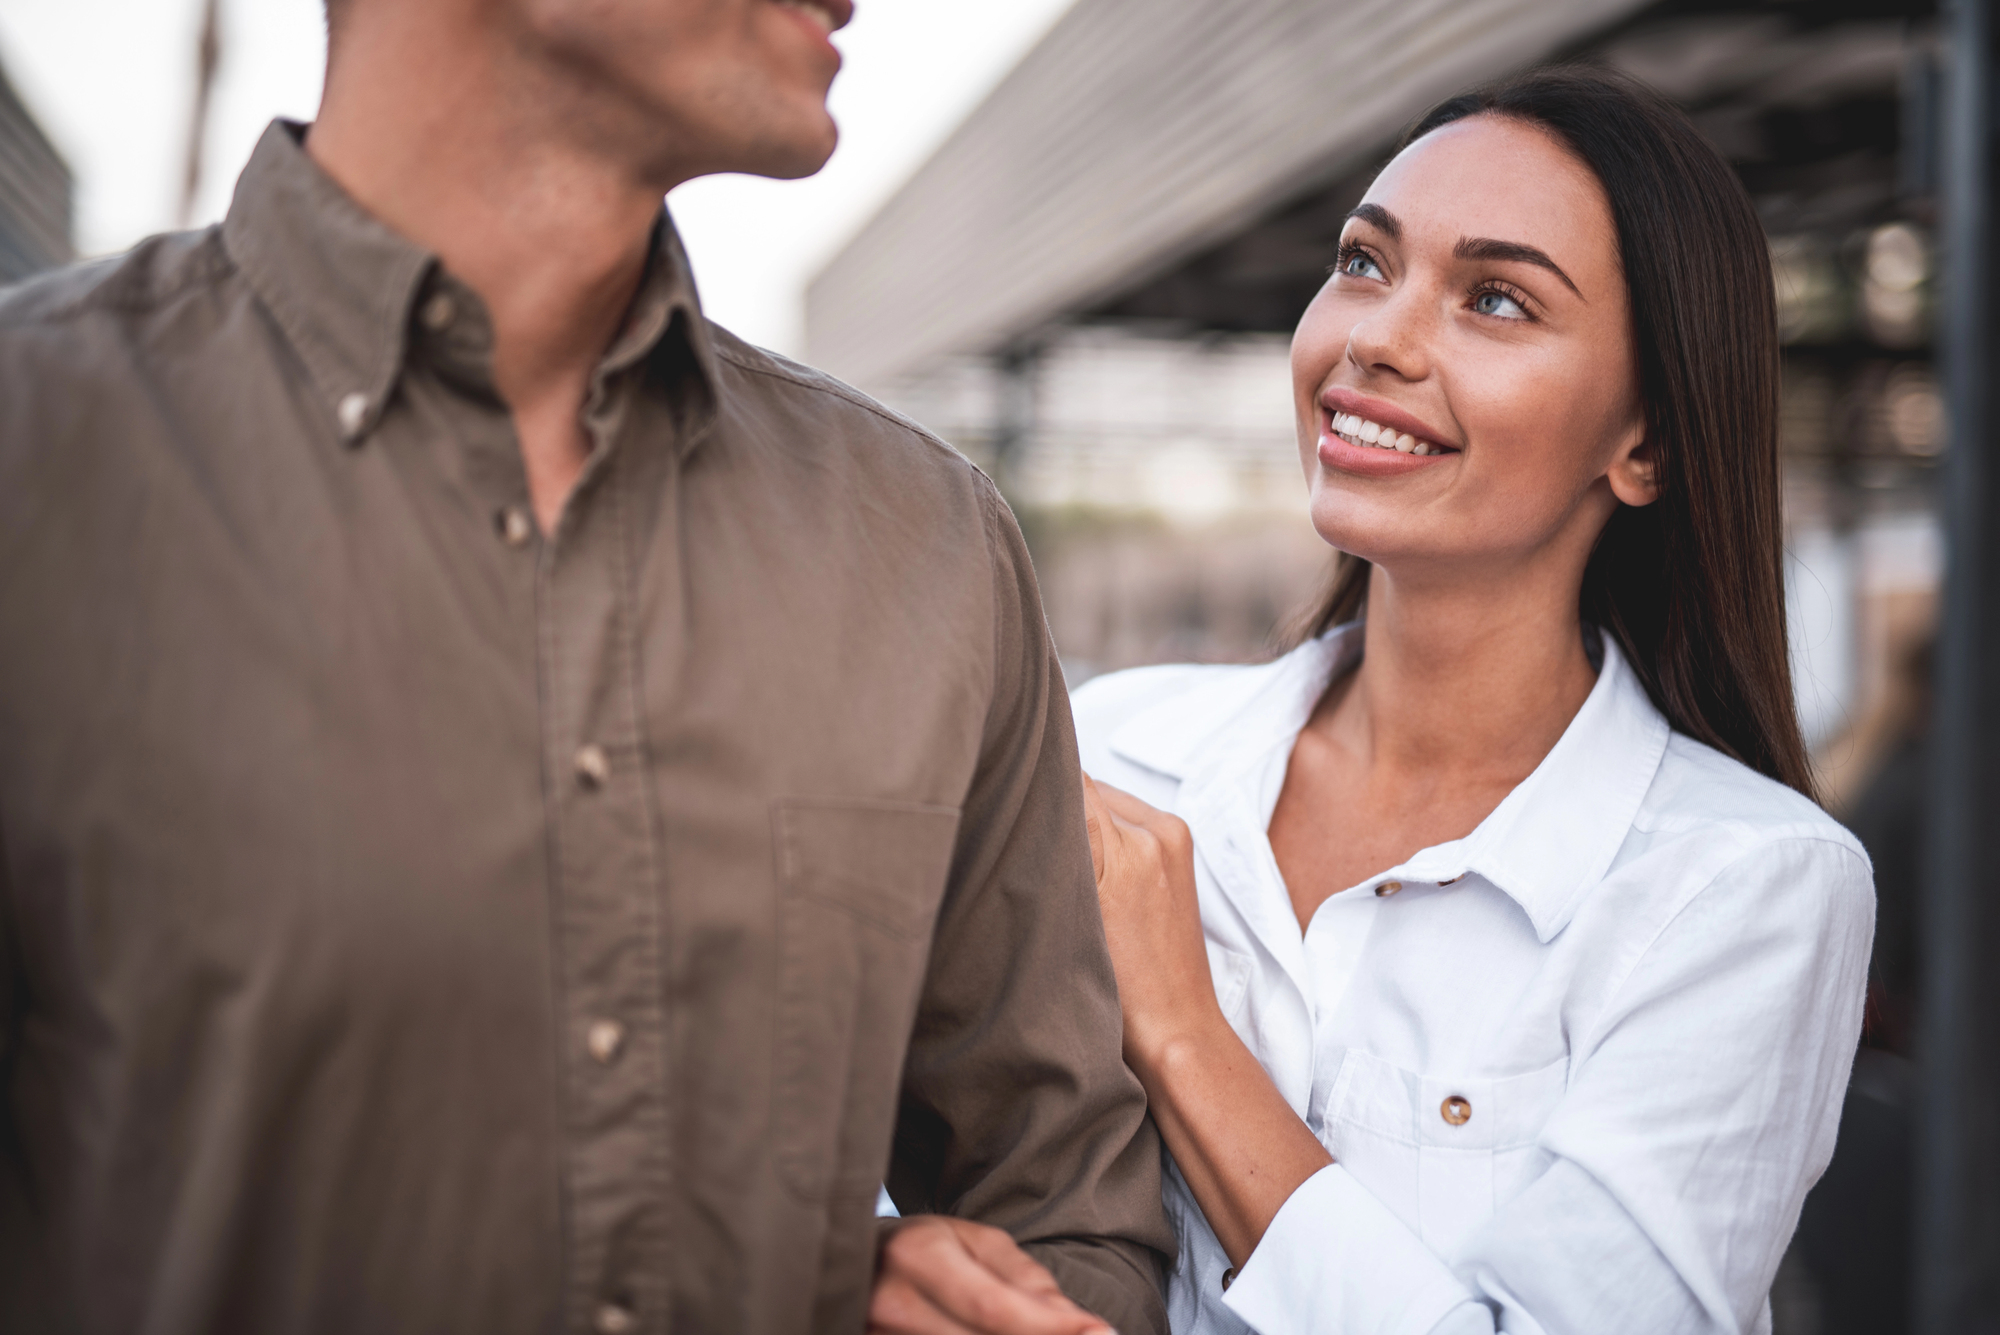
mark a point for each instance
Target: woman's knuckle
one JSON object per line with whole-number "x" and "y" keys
{"x": 904, "y": 1247}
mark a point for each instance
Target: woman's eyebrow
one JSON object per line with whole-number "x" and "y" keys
{"x": 1486, "y": 248}
{"x": 1378, "y": 217}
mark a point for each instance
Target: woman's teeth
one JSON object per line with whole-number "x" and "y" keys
{"x": 1360, "y": 431}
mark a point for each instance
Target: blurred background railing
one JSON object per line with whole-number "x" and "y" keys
{"x": 1089, "y": 283}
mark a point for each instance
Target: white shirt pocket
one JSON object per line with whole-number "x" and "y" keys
{"x": 1443, "y": 1153}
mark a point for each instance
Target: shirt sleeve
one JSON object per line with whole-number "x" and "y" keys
{"x": 1702, "y": 1105}
{"x": 1017, "y": 1107}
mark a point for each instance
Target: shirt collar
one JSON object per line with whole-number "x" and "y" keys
{"x": 343, "y": 288}
{"x": 1547, "y": 843}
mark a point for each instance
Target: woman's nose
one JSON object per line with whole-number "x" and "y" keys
{"x": 1389, "y": 338}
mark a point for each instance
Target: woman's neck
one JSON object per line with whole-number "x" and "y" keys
{"x": 1461, "y": 692}
{"x": 1461, "y": 682}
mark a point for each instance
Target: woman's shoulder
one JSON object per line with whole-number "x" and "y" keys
{"x": 1189, "y": 692}
{"x": 1719, "y": 802}
{"x": 1697, "y": 783}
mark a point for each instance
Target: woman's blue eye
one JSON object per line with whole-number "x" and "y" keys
{"x": 1358, "y": 265}
{"x": 1490, "y": 302}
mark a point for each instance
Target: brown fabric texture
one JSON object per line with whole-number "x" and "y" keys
{"x": 412, "y": 922}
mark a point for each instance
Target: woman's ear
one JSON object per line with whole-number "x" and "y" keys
{"x": 1634, "y": 472}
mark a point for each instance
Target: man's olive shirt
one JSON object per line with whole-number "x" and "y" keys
{"x": 415, "y": 923}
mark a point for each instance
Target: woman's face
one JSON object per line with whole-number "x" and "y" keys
{"x": 1464, "y": 382}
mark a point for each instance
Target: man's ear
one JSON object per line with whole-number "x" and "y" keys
{"x": 1634, "y": 473}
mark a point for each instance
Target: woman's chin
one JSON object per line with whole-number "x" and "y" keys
{"x": 1360, "y": 525}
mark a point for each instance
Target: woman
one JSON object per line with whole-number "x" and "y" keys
{"x": 1495, "y": 968}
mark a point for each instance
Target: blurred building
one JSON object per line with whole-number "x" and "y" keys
{"x": 1090, "y": 286}
{"x": 35, "y": 203}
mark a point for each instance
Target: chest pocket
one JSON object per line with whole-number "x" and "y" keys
{"x": 859, "y": 888}
{"x": 1444, "y": 1154}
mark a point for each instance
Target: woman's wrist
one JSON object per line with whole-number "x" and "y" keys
{"x": 1159, "y": 1049}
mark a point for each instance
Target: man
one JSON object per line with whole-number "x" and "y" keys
{"x": 511, "y": 798}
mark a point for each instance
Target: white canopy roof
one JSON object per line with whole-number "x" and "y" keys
{"x": 1137, "y": 132}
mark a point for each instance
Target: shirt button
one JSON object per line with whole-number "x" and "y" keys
{"x": 1387, "y": 888}
{"x": 516, "y": 525}
{"x": 353, "y": 413}
{"x": 593, "y": 767}
{"x": 1456, "y": 1110}
{"x": 613, "y": 1319}
{"x": 604, "y": 1038}
{"x": 438, "y": 312}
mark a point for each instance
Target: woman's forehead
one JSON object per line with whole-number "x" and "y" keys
{"x": 1501, "y": 178}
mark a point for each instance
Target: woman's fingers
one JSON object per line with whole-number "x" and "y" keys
{"x": 950, "y": 1277}
{"x": 1134, "y": 811}
{"x": 999, "y": 1253}
{"x": 1095, "y": 817}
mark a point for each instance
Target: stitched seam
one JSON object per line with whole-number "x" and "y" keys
{"x": 661, "y": 1159}
{"x": 833, "y": 389}
{"x": 209, "y": 261}
{"x": 545, "y": 669}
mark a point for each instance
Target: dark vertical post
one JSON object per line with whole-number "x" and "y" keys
{"x": 1957, "y": 1271}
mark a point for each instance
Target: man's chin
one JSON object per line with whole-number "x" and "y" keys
{"x": 790, "y": 157}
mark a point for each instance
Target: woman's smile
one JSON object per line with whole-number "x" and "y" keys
{"x": 1374, "y": 438}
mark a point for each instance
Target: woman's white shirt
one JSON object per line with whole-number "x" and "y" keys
{"x": 1576, "y": 1071}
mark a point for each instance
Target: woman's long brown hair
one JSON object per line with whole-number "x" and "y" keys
{"x": 1691, "y": 586}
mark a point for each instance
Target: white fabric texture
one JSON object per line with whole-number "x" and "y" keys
{"x": 1643, "y": 974}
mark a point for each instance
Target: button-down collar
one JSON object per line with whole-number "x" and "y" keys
{"x": 345, "y": 289}
{"x": 1549, "y": 840}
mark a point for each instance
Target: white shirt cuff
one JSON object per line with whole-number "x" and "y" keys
{"x": 1336, "y": 1261}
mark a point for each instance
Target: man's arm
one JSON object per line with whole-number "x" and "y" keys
{"x": 1017, "y": 1109}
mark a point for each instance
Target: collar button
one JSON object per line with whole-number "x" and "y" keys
{"x": 439, "y": 312}
{"x": 516, "y": 525}
{"x": 1387, "y": 888}
{"x": 353, "y": 414}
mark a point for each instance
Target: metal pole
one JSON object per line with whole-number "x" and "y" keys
{"x": 1957, "y": 1264}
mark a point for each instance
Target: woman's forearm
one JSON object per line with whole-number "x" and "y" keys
{"x": 1238, "y": 1143}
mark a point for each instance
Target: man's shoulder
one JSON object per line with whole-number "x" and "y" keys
{"x": 136, "y": 283}
{"x": 786, "y": 388}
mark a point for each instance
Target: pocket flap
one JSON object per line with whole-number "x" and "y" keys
{"x": 1446, "y": 1113}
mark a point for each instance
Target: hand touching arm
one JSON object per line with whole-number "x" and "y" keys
{"x": 1017, "y": 1111}
{"x": 1700, "y": 1106}
{"x": 1240, "y": 1146}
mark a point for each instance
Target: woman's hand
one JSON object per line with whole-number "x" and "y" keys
{"x": 1239, "y": 1144}
{"x": 1144, "y": 862}
{"x": 941, "y": 1276}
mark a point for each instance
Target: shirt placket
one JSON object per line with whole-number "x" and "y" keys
{"x": 607, "y": 909}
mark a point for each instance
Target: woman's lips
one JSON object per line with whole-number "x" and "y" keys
{"x": 1374, "y": 438}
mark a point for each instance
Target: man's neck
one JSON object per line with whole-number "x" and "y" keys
{"x": 465, "y": 158}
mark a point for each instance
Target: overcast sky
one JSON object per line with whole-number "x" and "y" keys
{"x": 111, "y": 81}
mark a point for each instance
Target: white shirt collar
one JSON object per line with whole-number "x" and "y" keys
{"x": 1546, "y": 844}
